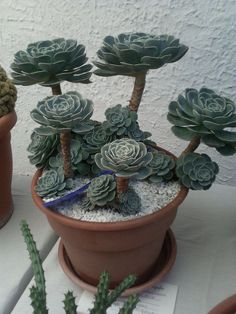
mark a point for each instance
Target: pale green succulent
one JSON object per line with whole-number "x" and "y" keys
{"x": 131, "y": 53}
{"x": 50, "y": 62}
{"x": 67, "y": 112}
{"x": 8, "y": 94}
{"x": 51, "y": 183}
{"x": 206, "y": 115}
{"x": 119, "y": 120}
{"x": 77, "y": 154}
{"x": 129, "y": 202}
{"x": 162, "y": 166}
{"x": 196, "y": 171}
{"x": 125, "y": 157}
{"x": 95, "y": 139}
{"x": 101, "y": 191}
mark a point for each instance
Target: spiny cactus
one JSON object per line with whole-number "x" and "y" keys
{"x": 50, "y": 62}
{"x": 196, "y": 171}
{"x": 130, "y": 53}
{"x": 8, "y": 94}
{"x": 37, "y": 292}
{"x": 103, "y": 299}
{"x": 206, "y": 115}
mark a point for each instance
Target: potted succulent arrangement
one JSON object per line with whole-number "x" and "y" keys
{"x": 109, "y": 191}
{"x": 8, "y": 95}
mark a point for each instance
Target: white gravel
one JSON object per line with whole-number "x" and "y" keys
{"x": 153, "y": 197}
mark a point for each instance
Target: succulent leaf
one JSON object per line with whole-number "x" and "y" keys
{"x": 205, "y": 114}
{"x": 8, "y": 94}
{"x": 196, "y": 171}
{"x": 50, "y": 62}
{"x": 131, "y": 53}
{"x": 125, "y": 157}
{"x": 64, "y": 113}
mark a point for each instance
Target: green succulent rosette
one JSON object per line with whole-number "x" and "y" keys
{"x": 66, "y": 112}
{"x": 51, "y": 183}
{"x": 162, "y": 167}
{"x": 50, "y": 62}
{"x": 137, "y": 134}
{"x": 207, "y": 115}
{"x": 125, "y": 157}
{"x": 101, "y": 191}
{"x": 94, "y": 140}
{"x": 119, "y": 120}
{"x": 131, "y": 53}
{"x": 196, "y": 171}
{"x": 77, "y": 155}
{"x": 8, "y": 94}
{"x": 41, "y": 148}
{"x": 129, "y": 203}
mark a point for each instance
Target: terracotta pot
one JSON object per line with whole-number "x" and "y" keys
{"x": 228, "y": 306}
{"x": 7, "y": 122}
{"x": 121, "y": 248}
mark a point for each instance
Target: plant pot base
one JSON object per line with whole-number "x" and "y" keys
{"x": 6, "y": 217}
{"x": 162, "y": 267}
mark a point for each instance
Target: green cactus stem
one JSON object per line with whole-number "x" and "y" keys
{"x": 139, "y": 85}
{"x": 70, "y": 306}
{"x": 129, "y": 305}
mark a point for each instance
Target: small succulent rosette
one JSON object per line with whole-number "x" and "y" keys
{"x": 162, "y": 167}
{"x": 196, "y": 171}
{"x": 131, "y": 53}
{"x": 50, "y": 62}
{"x": 8, "y": 94}
{"x": 207, "y": 115}
{"x": 101, "y": 191}
{"x": 129, "y": 202}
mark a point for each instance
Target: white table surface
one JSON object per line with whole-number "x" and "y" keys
{"x": 205, "y": 268}
{"x": 15, "y": 266}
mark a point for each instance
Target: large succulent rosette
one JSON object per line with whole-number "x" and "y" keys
{"x": 67, "y": 112}
{"x": 8, "y": 94}
{"x": 125, "y": 157}
{"x": 207, "y": 115}
{"x": 41, "y": 148}
{"x": 101, "y": 191}
{"x": 196, "y": 171}
{"x": 131, "y": 53}
{"x": 119, "y": 120}
{"x": 162, "y": 167}
{"x": 50, "y": 62}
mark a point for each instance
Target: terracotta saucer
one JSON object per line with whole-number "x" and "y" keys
{"x": 163, "y": 266}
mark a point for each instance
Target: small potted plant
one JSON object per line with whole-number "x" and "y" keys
{"x": 8, "y": 95}
{"x": 108, "y": 190}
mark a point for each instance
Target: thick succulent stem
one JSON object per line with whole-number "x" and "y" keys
{"x": 121, "y": 185}
{"x": 139, "y": 85}
{"x": 192, "y": 146}
{"x": 56, "y": 89}
{"x": 65, "y": 139}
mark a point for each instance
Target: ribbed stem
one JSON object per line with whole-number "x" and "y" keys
{"x": 139, "y": 85}
{"x": 121, "y": 185}
{"x": 65, "y": 139}
{"x": 192, "y": 146}
{"x": 56, "y": 89}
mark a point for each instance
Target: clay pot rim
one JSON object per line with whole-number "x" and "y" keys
{"x": 108, "y": 226}
{"x": 7, "y": 122}
{"x": 227, "y": 306}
